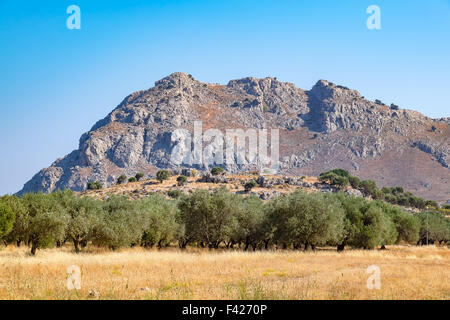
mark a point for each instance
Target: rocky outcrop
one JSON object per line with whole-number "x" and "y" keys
{"x": 326, "y": 127}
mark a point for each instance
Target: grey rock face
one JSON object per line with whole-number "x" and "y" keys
{"x": 326, "y": 127}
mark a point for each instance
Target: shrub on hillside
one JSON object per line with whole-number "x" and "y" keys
{"x": 181, "y": 180}
{"x": 94, "y": 185}
{"x": 250, "y": 185}
{"x": 162, "y": 175}
{"x": 217, "y": 170}
{"x": 139, "y": 176}
{"x": 121, "y": 179}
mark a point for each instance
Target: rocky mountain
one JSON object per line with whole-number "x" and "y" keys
{"x": 329, "y": 126}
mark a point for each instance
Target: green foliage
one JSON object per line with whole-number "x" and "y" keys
{"x": 174, "y": 193}
{"x": 221, "y": 218}
{"x": 121, "y": 179}
{"x": 6, "y": 218}
{"x": 120, "y": 225}
{"x": 406, "y": 224}
{"x": 249, "y": 224}
{"x": 132, "y": 179}
{"x": 139, "y": 176}
{"x": 306, "y": 219}
{"x": 369, "y": 187}
{"x": 250, "y": 185}
{"x": 162, "y": 175}
{"x": 47, "y": 220}
{"x": 160, "y": 221}
{"x": 337, "y": 177}
{"x": 83, "y": 216}
{"x": 435, "y": 226}
{"x": 217, "y": 170}
{"x": 208, "y": 218}
{"x": 19, "y": 232}
{"x": 94, "y": 185}
{"x": 377, "y": 228}
{"x": 355, "y": 182}
{"x": 181, "y": 180}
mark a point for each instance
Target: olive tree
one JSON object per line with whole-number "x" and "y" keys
{"x": 120, "y": 225}
{"x": 208, "y": 218}
{"x": 162, "y": 175}
{"x": 83, "y": 215}
{"x": 19, "y": 231}
{"x": 249, "y": 223}
{"x": 47, "y": 221}
{"x": 307, "y": 219}
{"x": 378, "y": 229}
{"x": 6, "y": 219}
{"x": 160, "y": 221}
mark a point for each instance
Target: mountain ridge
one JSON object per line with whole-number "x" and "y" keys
{"x": 322, "y": 128}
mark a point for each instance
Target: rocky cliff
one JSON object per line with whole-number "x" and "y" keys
{"x": 326, "y": 127}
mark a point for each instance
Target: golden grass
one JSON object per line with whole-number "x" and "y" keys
{"x": 406, "y": 273}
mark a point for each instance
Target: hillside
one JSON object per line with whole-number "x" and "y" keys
{"x": 329, "y": 126}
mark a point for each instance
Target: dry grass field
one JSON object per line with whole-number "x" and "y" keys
{"x": 406, "y": 273}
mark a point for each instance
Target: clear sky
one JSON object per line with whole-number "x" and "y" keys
{"x": 56, "y": 83}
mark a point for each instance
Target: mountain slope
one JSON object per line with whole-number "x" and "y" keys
{"x": 326, "y": 127}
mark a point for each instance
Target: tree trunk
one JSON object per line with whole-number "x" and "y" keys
{"x": 341, "y": 247}
{"x": 76, "y": 244}
{"x": 247, "y": 244}
{"x": 33, "y": 248}
{"x": 18, "y": 242}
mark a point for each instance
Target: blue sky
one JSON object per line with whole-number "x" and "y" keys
{"x": 56, "y": 83}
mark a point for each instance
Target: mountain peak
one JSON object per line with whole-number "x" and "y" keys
{"x": 175, "y": 79}
{"x": 328, "y": 127}
{"x": 324, "y": 89}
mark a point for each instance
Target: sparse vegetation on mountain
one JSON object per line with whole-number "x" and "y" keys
{"x": 94, "y": 185}
{"x": 121, "y": 179}
{"x": 250, "y": 185}
{"x": 336, "y": 177}
{"x": 181, "y": 180}
{"x": 139, "y": 176}
{"x": 340, "y": 120}
{"x": 132, "y": 179}
{"x": 162, "y": 175}
{"x": 217, "y": 170}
